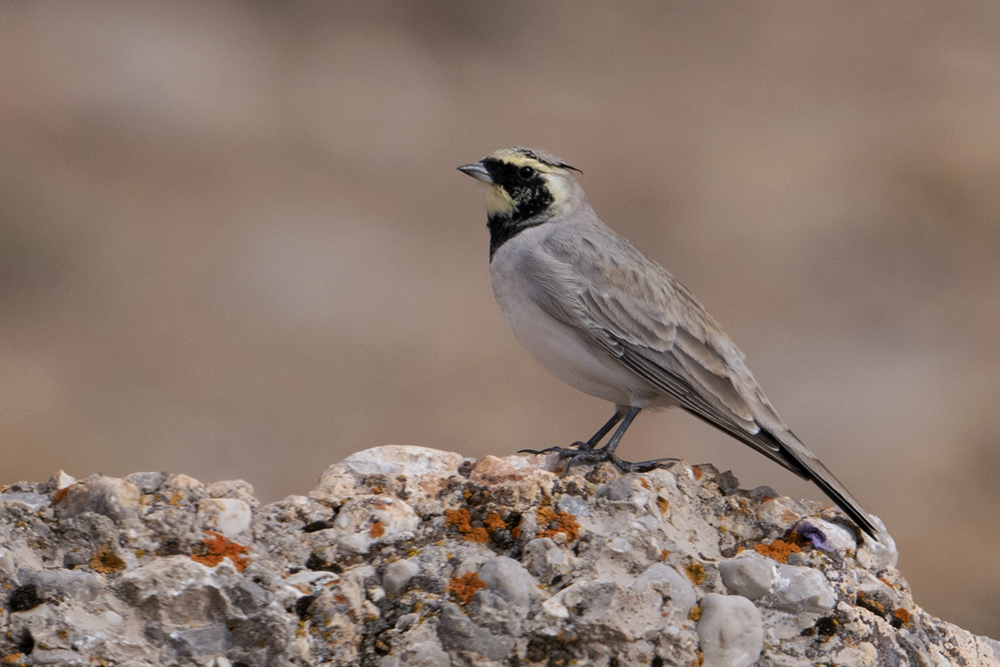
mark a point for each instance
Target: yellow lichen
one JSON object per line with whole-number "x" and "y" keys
{"x": 106, "y": 561}
{"x": 695, "y": 572}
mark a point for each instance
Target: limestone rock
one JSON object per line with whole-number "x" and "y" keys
{"x": 412, "y": 556}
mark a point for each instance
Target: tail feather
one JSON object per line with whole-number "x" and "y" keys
{"x": 813, "y": 469}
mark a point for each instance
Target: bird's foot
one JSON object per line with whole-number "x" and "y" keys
{"x": 561, "y": 451}
{"x": 584, "y": 455}
{"x": 580, "y": 446}
{"x": 640, "y": 466}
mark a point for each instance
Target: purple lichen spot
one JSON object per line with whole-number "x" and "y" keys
{"x": 826, "y": 536}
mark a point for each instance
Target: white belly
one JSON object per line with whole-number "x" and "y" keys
{"x": 559, "y": 348}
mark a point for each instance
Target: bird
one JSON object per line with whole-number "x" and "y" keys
{"x": 604, "y": 318}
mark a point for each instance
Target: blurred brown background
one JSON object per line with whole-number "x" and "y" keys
{"x": 233, "y": 242}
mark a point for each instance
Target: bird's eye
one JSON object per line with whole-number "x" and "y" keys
{"x": 525, "y": 173}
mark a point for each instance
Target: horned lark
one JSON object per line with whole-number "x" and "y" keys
{"x": 605, "y": 319}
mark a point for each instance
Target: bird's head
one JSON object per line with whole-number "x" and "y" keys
{"x": 525, "y": 187}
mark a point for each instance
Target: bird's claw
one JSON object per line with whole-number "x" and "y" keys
{"x": 641, "y": 466}
{"x": 562, "y": 451}
{"x": 597, "y": 456}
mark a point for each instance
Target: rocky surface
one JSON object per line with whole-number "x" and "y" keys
{"x": 410, "y": 556}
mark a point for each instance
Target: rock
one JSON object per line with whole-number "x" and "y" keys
{"x": 410, "y": 556}
{"x": 730, "y": 630}
{"x": 7, "y": 561}
{"x": 802, "y": 589}
{"x": 398, "y": 574}
{"x": 207, "y": 640}
{"x": 55, "y": 584}
{"x": 680, "y": 590}
{"x": 790, "y": 588}
{"x": 370, "y": 520}
{"x": 458, "y": 632}
{"x": 226, "y": 515}
{"x": 58, "y": 657}
{"x": 510, "y": 580}
{"x": 116, "y": 499}
{"x": 147, "y": 482}
{"x": 61, "y": 480}
{"x": 826, "y": 536}
{"x": 749, "y": 575}
{"x": 546, "y": 560}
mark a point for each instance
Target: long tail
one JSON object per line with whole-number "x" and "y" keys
{"x": 812, "y": 468}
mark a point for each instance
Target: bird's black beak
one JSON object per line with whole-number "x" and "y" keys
{"x": 478, "y": 171}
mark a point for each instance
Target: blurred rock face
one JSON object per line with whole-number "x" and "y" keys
{"x": 232, "y": 240}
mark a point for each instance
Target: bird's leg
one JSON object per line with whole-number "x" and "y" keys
{"x": 609, "y": 448}
{"x": 601, "y": 432}
{"x": 583, "y": 446}
{"x": 586, "y": 452}
{"x": 607, "y": 452}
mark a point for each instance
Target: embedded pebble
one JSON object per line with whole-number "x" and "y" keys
{"x": 790, "y": 588}
{"x": 62, "y": 480}
{"x": 749, "y": 575}
{"x": 84, "y": 586}
{"x": 457, "y": 631}
{"x": 826, "y": 536}
{"x": 7, "y": 565}
{"x": 57, "y": 657}
{"x": 226, "y": 515}
{"x": 781, "y": 512}
{"x": 367, "y": 520}
{"x": 802, "y": 589}
{"x": 398, "y": 574}
{"x": 510, "y": 580}
{"x": 33, "y": 501}
{"x": 147, "y": 482}
{"x": 114, "y": 498}
{"x": 682, "y": 593}
{"x": 730, "y": 630}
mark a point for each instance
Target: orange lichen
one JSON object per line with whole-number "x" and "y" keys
{"x": 13, "y": 659}
{"x": 462, "y": 520}
{"x": 694, "y": 613}
{"x": 494, "y": 522}
{"x": 545, "y": 515}
{"x": 465, "y": 586}
{"x": 698, "y": 472}
{"x": 663, "y": 554}
{"x": 377, "y": 529}
{"x": 779, "y": 550}
{"x": 57, "y": 498}
{"x": 871, "y": 605}
{"x": 106, "y": 561}
{"x": 556, "y": 522}
{"x": 176, "y": 499}
{"x": 663, "y": 504}
{"x": 217, "y": 548}
{"x": 902, "y": 616}
{"x": 695, "y": 572}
